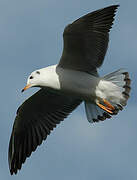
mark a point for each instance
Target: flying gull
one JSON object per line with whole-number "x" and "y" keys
{"x": 66, "y": 85}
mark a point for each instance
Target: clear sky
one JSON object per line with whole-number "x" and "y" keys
{"x": 31, "y": 38}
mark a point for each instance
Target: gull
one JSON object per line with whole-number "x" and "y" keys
{"x": 63, "y": 87}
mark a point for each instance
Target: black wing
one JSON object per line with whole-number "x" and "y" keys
{"x": 86, "y": 40}
{"x": 35, "y": 119}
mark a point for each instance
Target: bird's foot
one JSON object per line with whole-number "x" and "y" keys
{"x": 108, "y": 108}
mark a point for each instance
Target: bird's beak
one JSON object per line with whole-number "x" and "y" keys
{"x": 26, "y": 87}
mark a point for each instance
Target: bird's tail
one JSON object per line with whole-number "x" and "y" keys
{"x": 114, "y": 90}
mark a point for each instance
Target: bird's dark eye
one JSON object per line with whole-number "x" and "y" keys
{"x": 31, "y": 77}
{"x": 37, "y": 72}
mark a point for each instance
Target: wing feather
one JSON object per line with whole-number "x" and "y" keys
{"x": 35, "y": 119}
{"x": 86, "y": 40}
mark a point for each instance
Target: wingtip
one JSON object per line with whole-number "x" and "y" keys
{"x": 114, "y": 7}
{"x": 13, "y": 171}
{"x": 117, "y": 6}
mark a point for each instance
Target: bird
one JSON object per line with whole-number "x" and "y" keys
{"x": 64, "y": 86}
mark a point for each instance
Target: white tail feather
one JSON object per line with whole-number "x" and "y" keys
{"x": 115, "y": 88}
{"x": 120, "y": 78}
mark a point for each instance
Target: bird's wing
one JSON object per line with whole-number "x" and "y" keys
{"x": 86, "y": 40}
{"x": 35, "y": 119}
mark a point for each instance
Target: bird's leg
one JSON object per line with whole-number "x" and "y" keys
{"x": 108, "y": 108}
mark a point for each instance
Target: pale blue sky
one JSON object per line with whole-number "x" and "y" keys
{"x": 31, "y": 38}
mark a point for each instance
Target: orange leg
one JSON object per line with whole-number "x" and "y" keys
{"x": 105, "y": 108}
{"x": 109, "y": 106}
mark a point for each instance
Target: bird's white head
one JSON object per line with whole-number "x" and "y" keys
{"x": 45, "y": 77}
{"x": 34, "y": 80}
